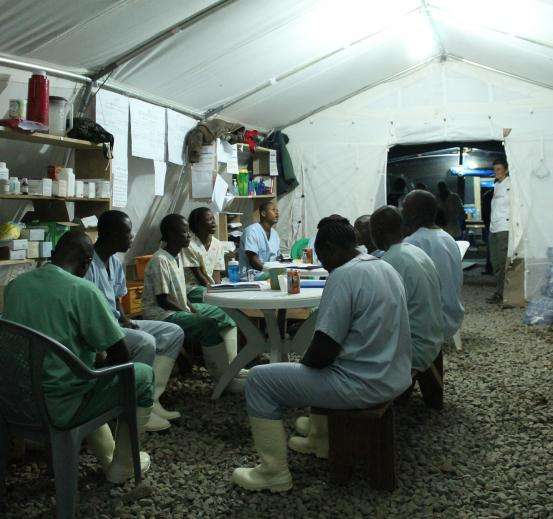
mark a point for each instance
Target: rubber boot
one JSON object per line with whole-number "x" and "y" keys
{"x": 101, "y": 444}
{"x": 163, "y": 366}
{"x": 302, "y": 425}
{"x": 121, "y": 469}
{"x": 216, "y": 362}
{"x": 272, "y": 473}
{"x": 230, "y": 338}
{"x": 317, "y": 438}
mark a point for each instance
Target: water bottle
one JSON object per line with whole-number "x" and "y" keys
{"x": 233, "y": 270}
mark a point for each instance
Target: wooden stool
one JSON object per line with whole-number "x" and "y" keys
{"x": 365, "y": 437}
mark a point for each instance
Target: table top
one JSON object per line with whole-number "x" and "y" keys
{"x": 316, "y": 273}
{"x": 265, "y": 299}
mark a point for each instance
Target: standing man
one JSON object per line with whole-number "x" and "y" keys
{"x": 260, "y": 242}
{"x": 499, "y": 227}
{"x": 155, "y": 343}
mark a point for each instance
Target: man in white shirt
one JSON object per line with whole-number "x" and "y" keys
{"x": 499, "y": 227}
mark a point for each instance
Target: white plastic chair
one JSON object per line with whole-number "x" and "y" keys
{"x": 463, "y": 248}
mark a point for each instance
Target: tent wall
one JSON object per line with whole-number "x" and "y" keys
{"x": 340, "y": 153}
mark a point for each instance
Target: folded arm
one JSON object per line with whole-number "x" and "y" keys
{"x": 322, "y": 351}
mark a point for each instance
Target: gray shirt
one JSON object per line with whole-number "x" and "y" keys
{"x": 444, "y": 252}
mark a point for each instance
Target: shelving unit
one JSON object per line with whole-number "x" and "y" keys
{"x": 10, "y": 263}
{"x": 89, "y": 163}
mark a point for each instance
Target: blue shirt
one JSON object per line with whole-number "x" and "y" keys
{"x": 112, "y": 284}
{"x": 444, "y": 252}
{"x": 364, "y": 309}
{"x": 254, "y": 239}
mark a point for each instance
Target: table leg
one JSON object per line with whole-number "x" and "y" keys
{"x": 304, "y": 335}
{"x": 276, "y": 343}
{"x": 255, "y": 345}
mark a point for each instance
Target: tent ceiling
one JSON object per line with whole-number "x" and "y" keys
{"x": 271, "y": 66}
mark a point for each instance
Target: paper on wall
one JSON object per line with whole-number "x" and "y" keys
{"x": 273, "y": 169}
{"x": 178, "y": 125}
{"x": 227, "y": 154}
{"x": 220, "y": 189}
{"x": 112, "y": 112}
{"x": 147, "y": 130}
{"x": 202, "y": 173}
{"x": 160, "y": 168}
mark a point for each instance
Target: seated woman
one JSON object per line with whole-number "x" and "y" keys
{"x": 165, "y": 299}
{"x": 204, "y": 258}
{"x": 360, "y": 356}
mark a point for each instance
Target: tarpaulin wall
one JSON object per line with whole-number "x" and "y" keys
{"x": 340, "y": 153}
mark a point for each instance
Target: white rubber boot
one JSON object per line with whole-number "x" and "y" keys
{"x": 302, "y": 425}
{"x": 156, "y": 423}
{"x": 230, "y": 338}
{"x": 163, "y": 366}
{"x": 216, "y": 362}
{"x": 272, "y": 473}
{"x": 101, "y": 444}
{"x": 121, "y": 469}
{"x": 317, "y": 438}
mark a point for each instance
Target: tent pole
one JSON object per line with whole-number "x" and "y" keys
{"x": 161, "y": 37}
{"x": 25, "y": 65}
{"x": 387, "y": 79}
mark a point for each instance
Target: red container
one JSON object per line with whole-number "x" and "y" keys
{"x": 38, "y": 98}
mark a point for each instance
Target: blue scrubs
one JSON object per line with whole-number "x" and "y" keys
{"x": 254, "y": 239}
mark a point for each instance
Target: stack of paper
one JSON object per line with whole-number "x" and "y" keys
{"x": 235, "y": 287}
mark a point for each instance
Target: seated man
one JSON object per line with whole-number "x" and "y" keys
{"x": 419, "y": 214}
{"x": 360, "y": 356}
{"x": 260, "y": 242}
{"x": 55, "y": 301}
{"x": 152, "y": 342}
{"x": 165, "y": 299}
{"x": 421, "y": 282}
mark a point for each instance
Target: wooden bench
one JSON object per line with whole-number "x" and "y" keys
{"x": 364, "y": 437}
{"x": 431, "y": 384}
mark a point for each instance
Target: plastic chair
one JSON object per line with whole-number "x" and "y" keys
{"x": 23, "y": 410}
{"x": 463, "y": 248}
{"x": 297, "y": 248}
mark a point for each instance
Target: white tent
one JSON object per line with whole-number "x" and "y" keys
{"x": 345, "y": 79}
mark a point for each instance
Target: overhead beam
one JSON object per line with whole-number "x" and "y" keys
{"x": 303, "y": 67}
{"x": 437, "y": 37}
{"x": 387, "y": 79}
{"x": 161, "y": 37}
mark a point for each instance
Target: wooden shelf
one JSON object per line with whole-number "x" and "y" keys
{"x": 258, "y": 149}
{"x": 45, "y": 138}
{"x": 8, "y": 263}
{"x": 59, "y": 199}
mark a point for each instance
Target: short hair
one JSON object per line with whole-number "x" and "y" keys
{"x": 362, "y": 221}
{"x": 388, "y": 220}
{"x": 263, "y": 206}
{"x": 74, "y": 245}
{"x": 110, "y": 220}
{"x": 195, "y": 217}
{"x": 501, "y": 161}
{"x": 336, "y": 230}
{"x": 422, "y": 207}
{"x": 168, "y": 223}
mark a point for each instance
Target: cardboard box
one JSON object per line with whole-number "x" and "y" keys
{"x": 45, "y": 249}
{"x": 132, "y": 301}
{"x": 41, "y": 187}
{"x": 33, "y": 234}
{"x": 33, "y": 250}
{"x": 7, "y": 254}
{"x": 14, "y": 244}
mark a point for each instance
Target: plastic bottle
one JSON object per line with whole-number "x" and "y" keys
{"x": 233, "y": 270}
{"x": 235, "y": 191}
{"x": 4, "y": 171}
{"x": 24, "y": 186}
{"x": 251, "y": 189}
{"x": 68, "y": 175}
{"x": 261, "y": 188}
{"x": 15, "y": 186}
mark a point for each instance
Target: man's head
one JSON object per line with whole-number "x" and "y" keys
{"x": 399, "y": 185}
{"x": 202, "y": 221}
{"x": 421, "y": 185}
{"x": 500, "y": 169}
{"x": 443, "y": 190}
{"x": 175, "y": 232}
{"x": 335, "y": 242}
{"x": 73, "y": 252}
{"x": 363, "y": 232}
{"x": 268, "y": 213}
{"x": 115, "y": 229}
{"x": 386, "y": 227}
{"x": 419, "y": 210}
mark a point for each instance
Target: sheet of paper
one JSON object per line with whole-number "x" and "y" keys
{"x": 219, "y": 191}
{"x": 203, "y": 172}
{"x": 160, "y": 168}
{"x": 147, "y": 130}
{"x": 112, "y": 112}
{"x": 273, "y": 169}
{"x": 178, "y": 125}
{"x": 227, "y": 154}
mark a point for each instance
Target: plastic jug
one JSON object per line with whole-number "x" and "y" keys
{"x": 243, "y": 181}
{"x": 60, "y": 116}
{"x": 233, "y": 271}
{"x": 38, "y": 98}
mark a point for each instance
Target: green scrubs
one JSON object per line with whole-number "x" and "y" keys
{"x": 75, "y": 313}
{"x": 196, "y": 294}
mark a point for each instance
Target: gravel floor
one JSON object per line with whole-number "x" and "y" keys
{"x": 489, "y": 453}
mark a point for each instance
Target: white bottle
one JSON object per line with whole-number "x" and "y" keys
{"x": 68, "y": 175}
{"x": 4, "y": 171}
{"x": 15, "y": 186}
